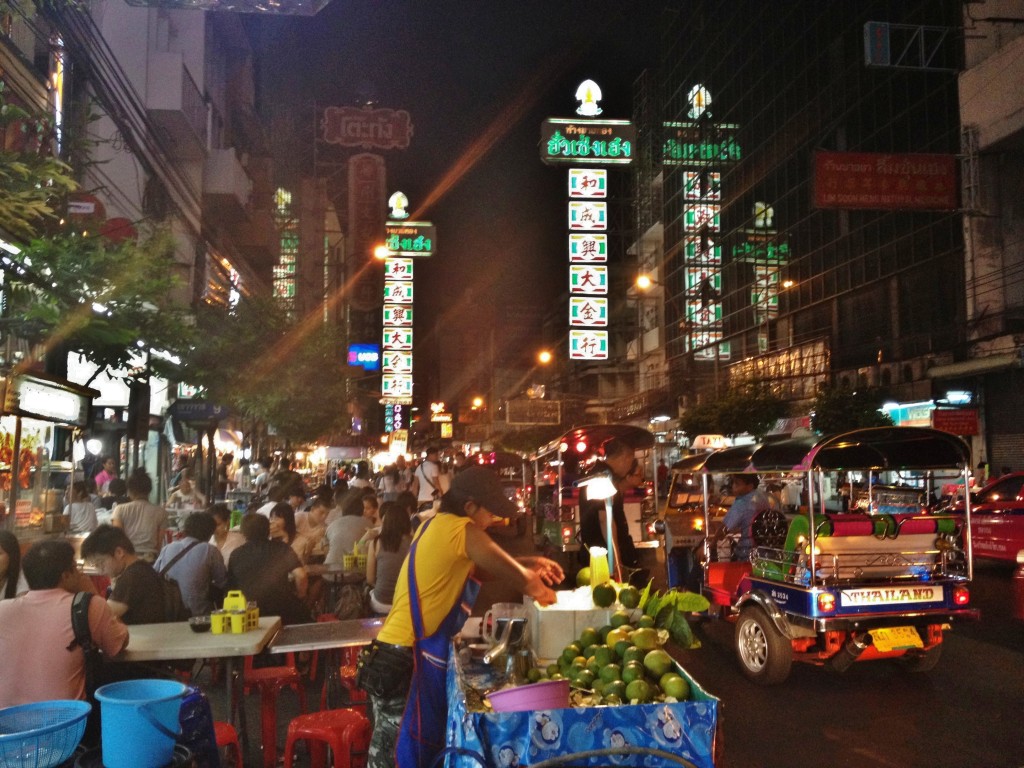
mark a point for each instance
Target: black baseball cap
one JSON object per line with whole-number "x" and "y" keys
{"x": 481, "y": 485}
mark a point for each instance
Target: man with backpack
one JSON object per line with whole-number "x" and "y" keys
{"x": 39, "y": 656}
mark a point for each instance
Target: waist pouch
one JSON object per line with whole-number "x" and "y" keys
{"x": 384, "y": 671}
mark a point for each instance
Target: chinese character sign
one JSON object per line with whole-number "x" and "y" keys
{"x": 589, "y": 247}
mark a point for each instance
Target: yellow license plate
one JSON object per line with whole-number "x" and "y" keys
{"x": 895, "y": 639}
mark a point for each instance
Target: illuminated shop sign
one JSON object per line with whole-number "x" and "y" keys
{"x": 397, "y": 292}
{"x": 396, "y": 268}
{"x": 699, "y": 144}
{"x": 397, "y": 315}
{"x": 588, "y": 345}
{"x": 587, "y": 215}
{"x": 396, "y": 385}
{"x": 599, "y": 142}
{"x": 588, "y": 278}
{"x": 394, "y": 361}
{"x": 589, "y": 247}
{"x": 397, "y": 338}
{"x": 588, "y": 182}
{"x": 365, "y": 356}
{"x": 706, "y": 251}
{"x": 410, "y": 238}
{"x": 588, "y": 311}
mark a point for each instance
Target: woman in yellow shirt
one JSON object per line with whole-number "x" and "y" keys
{"x": 435, "y": 592}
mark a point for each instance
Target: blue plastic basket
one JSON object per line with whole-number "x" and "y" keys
{"x": 41, "y": 735}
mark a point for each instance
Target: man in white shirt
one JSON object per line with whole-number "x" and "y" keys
{"x": 427, "y": 477}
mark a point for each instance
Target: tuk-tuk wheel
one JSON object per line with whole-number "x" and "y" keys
{"x": 765, "y": 656}
{"x": 921, "y": 661}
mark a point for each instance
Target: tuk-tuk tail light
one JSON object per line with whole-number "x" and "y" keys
{"x": 566, "y": 532}
{"x": 826, "y": 602}
{"x": 961, "y": 595}
{"x": 698, "y": 523}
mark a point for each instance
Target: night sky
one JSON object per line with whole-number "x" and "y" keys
{"x": 477, "y": 78}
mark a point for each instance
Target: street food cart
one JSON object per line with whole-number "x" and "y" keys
{"x": 655, "y": 734}
{"x": 829, "y": 587}
{"x": 35, "y": 408}
{"x": 560, "y": 464}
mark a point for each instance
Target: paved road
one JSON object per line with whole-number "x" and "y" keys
{"x": 964, "y": 714}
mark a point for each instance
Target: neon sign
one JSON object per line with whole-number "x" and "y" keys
{"x": 604, "y": 142}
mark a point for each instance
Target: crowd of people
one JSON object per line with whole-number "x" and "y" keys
{"x": 421, "y": 529}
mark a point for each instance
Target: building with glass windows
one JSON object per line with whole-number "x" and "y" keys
{"x": 799, "y": 207}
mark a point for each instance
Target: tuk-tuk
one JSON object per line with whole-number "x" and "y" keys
{"x": 832, "y": 583}
{"x": 560, "y": 464}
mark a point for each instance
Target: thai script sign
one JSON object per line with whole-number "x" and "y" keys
{"x": 582, "y": 142}
{"x": 410, "y": 238}
{"x": 925, "y": 182}
{"x": 367, "y": 127}
{"x": 700, "y": 143}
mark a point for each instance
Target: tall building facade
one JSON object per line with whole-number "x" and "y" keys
{"x": 760, "y": 272}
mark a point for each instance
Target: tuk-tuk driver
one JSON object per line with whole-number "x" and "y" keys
{"x": 750, "y": 501}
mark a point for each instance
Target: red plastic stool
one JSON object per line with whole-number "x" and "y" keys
{"x": 270, "y": 681}
{"x": 345, "y": 731}
{"x": 226, "y": 736}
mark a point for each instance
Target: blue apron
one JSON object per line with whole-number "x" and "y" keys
{"x": 422, "y": 734}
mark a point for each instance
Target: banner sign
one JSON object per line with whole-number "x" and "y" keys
{"x": 923, "y": 182}
{"x": 367, "y": 127}
{"x": 962, "y": 422}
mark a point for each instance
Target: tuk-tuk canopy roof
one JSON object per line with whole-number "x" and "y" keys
{"x": 497, "y": 460}
{"x": 877, "y": 448}
{"x": 595, "y": 435}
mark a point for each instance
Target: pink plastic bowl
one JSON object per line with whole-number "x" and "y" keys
{"x": 549, "y": 694}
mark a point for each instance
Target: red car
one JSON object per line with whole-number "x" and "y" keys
{"x": 997, "y": 518}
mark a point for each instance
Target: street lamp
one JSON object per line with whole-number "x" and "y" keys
{"x": 544, "y": 357}
{"x": 382, "y": 252}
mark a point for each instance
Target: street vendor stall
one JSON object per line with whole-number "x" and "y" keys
{"x": 651, "y": 734}
{"x": 34, "y": 406}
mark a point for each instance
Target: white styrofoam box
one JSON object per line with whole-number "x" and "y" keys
{"x": 555, "y": 626}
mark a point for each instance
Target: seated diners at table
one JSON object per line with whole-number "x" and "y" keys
{"x": 269, "y": 572}
{"x": 143, "y": 521}
{"x": 224, "y": 538}
{"x": 195, "y": 564}
{"x": 137, "y": 596}
{"x": 311, "y": 529}
{"x": 347, "y": 530}
{"x": 39, "y": 659}
{"x": 385, "y": 554}
{"x": 80, "y": 510}
{"x": 186, "y": 494}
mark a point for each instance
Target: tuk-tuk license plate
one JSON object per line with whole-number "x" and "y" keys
{"x": 895, "y": 638}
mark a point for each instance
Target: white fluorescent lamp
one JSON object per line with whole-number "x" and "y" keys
{"x": 601, "y": 488}
{"x": 9, "y": 247}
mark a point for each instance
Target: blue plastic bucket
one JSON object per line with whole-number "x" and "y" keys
{"x": 139, "y": 722}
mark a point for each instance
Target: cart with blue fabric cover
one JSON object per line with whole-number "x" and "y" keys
{"x": 830, "y": 584}
{"x": 656, "y": 735}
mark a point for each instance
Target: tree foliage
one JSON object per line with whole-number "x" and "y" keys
{"x": 257, "y": 361}
{"x": 32, "y": 180}
{"x": 71, "y": 293}
{"x": 752, "y": 408}
{"x": 839, "y": 409}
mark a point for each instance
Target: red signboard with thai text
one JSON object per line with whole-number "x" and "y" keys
{"x": 956, "y": 421}
{"x": 884, "y": 181}
{"x": 367, "y": 128}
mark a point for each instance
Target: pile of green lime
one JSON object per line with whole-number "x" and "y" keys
{"x": 619, "y": 664}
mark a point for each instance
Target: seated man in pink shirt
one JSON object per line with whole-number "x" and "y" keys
{"x": 39, "y": 659}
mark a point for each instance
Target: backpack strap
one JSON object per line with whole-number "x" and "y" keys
{"x": 177, "y": 557}
{"x": 80, "y": 622}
